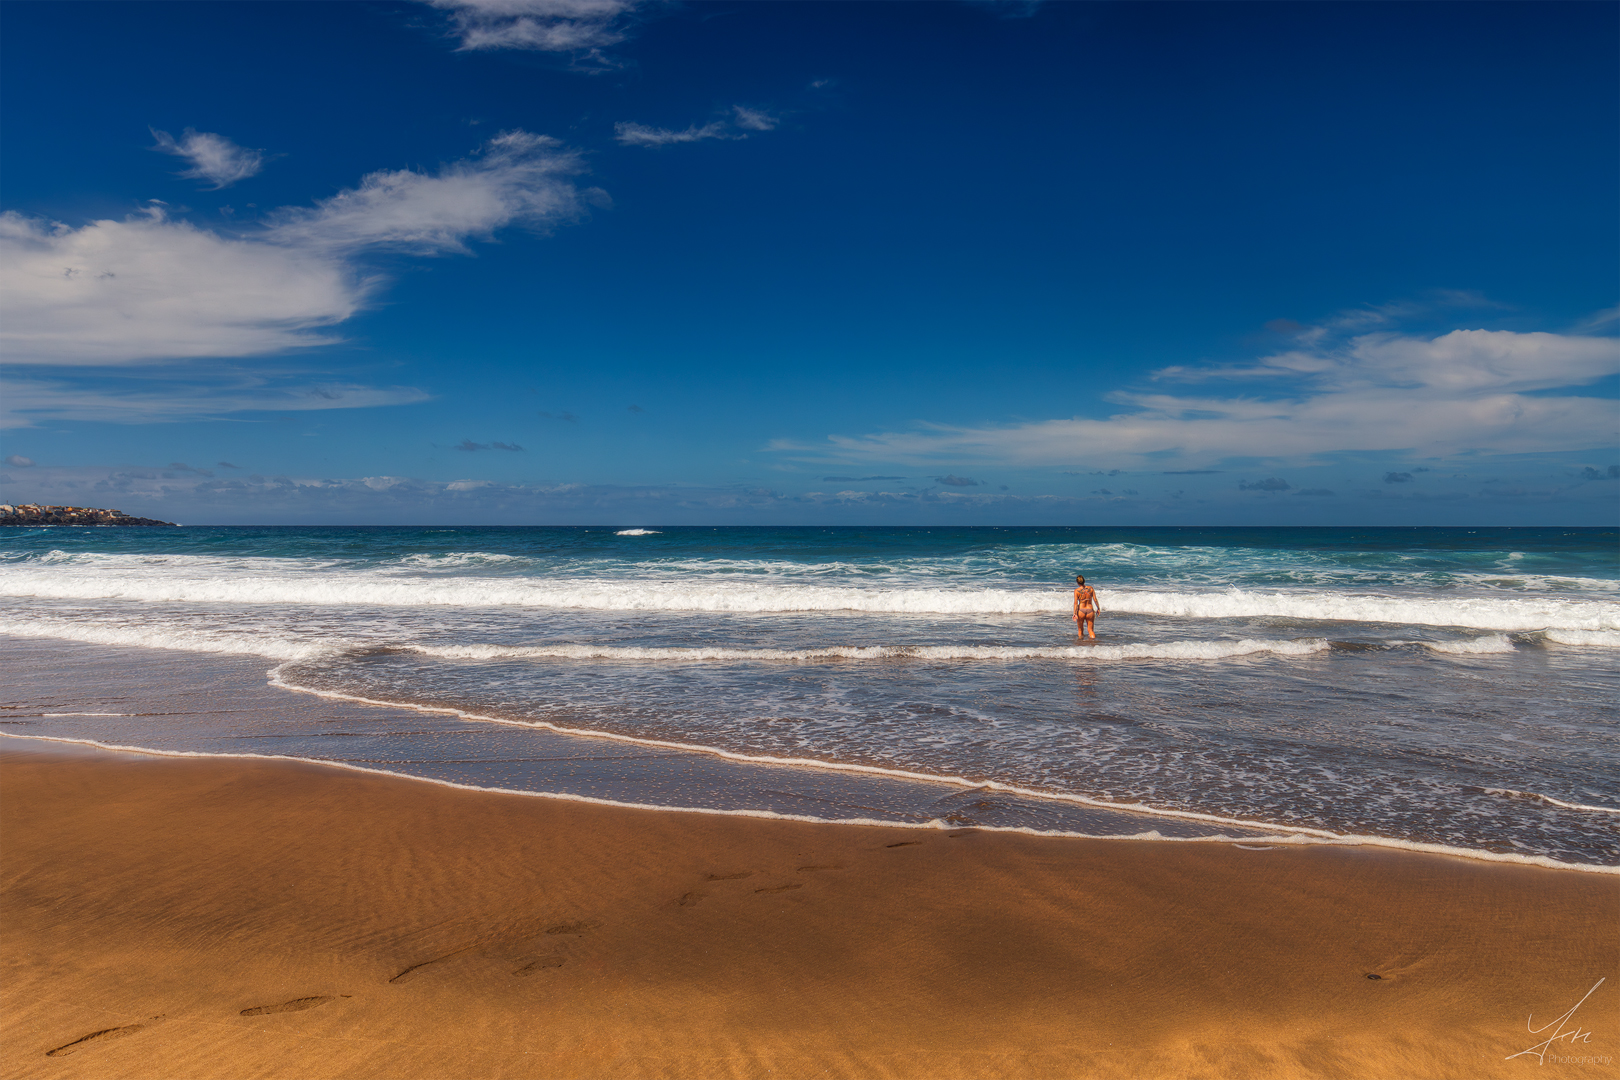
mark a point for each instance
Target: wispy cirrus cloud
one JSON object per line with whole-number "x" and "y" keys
{"x": 516, "y": 179}
{"x": 470, "y": 446}
{"x": 630, "y": 133}
{"x": 754, "y": 119}
{"x": 153, "y": 289}
{"x": 583, "y": 29}
{"x": 183, "y": 493}
{"x": 150, "y": 398}
{"x": 213, "y": 158}
{"x": 1467, "y": 391}
{"x": 1599, "y": 321}
{"x": 740, "y": 121}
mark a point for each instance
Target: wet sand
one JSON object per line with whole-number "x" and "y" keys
{"x": 237, "y": 918}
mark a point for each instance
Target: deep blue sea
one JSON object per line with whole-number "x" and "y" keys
{"x": 1439, "y": 688}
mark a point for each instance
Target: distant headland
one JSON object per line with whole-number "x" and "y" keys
{"x": 33, "y": 514}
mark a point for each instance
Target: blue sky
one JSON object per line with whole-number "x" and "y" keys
{"x": 620, "y": 262}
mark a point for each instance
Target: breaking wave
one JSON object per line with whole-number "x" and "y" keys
{"x": 1494, "y": 643}
{"x": 274, "y": 647}
{"x": 317, "y": 585}
{"x": 1174, "y": 650}
{"x": 1563, "y": 636}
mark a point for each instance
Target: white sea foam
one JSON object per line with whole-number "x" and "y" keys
{"x": 174, "y": 580}
{"x": 1610, "y": 638}
{"x": 455, "y": 560}
{"x": 147, "y": 637}
{"x": 638, "y": 532}
{"x": 1483, "y": 613}
{"x": 1512, "y": 794}
{"x": 1174, "y": 650}
{"x": 274, "y": 647}
{"x": 1493, "y": 643}
{"x": 1289, "y": 835}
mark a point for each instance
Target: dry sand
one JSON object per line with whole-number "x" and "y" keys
{"x": 239, "y": 918}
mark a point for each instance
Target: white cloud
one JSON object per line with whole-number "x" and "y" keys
{"x": 1469, "y": 390}
{"x": 754, "y": 119}
{"x": 213, "y": 157}
{"x": 633, "y": 134}
{"x": 1461, "y": 361}
{"x": 179, "y": 492}
{"x": 150, "y": 288}
{"x": 190, "y": 495}
{"x": 742, "y": 121}
{"x": 516, "y": 179}
{"x": 28, "y": 402}
{"x": 581, "y": 27}
{"x": 1599, "y": 320}
{"x": 1468, "y": 361}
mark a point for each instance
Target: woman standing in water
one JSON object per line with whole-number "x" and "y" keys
{"x": 1085, "y": 609}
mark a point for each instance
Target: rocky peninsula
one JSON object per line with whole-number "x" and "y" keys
{"x": 32, "y": 514}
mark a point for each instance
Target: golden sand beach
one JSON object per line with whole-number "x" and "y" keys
{"x": 233, "y": 918}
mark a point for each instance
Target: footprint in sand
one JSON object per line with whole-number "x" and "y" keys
{"x": 782, "y": 888}
{"x": 539, "y": 965}
{"x": 412, "y": 970}
{"x": 295, "y": 1005}
{"x": 731, "y": 877}
{"x": 808, "y": 869}
{"x": 691, "y": 898}
{"x": 904, "y": 843}
{"x": 104, "y": 1035}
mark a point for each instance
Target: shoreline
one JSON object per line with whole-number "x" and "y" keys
{"x": 177, "y": 683}
{"x": 483, "y": 934}
{"x": 1300, "y": 836}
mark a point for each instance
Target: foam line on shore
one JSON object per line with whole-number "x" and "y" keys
{"x": 275, "y": 648}
{"x": 1290, "y": 838}
{"x": 1511, "y": 793}
{"x": 1173, "y": 650}
{"x": 1301, "y": 832}
{"x": 275, "y": 679}
{"x": 262, "y": 645}
{"x": 86, "y": 714}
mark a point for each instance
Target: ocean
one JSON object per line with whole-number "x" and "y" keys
{"x": 1438, "y": 689}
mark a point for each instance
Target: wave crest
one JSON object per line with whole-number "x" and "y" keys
{"x": 1493, "y": 643}
{"x": 1610, "y": 638}
{"x": 317, "y": 583}
{"x": 1174, "y": 650}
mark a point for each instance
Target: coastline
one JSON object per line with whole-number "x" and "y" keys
{"x": 482, "y": 934}
{"x": 233, "y": 709}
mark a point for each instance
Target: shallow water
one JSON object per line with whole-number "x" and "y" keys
{"x": 1433, "y": 687}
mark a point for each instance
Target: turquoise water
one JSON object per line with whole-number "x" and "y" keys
{"x": 1444, "y": 687}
